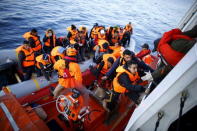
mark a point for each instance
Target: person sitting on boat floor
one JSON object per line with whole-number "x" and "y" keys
{"x": 126, "y": 56}
{"x": 128, "y": 82}
{"x": 172, "y": 47}
{"x": 26, "y": 59}
{"x": 34, "y": 41}
{"x": 57, "y": 53}
{"x": 49, "y": 41}
{"x": 44, "y": 66}
{"x": 144, "y": 54}
{"x": 75, "y": 44}
{"x": 117, "y": 49}
{"x": 69, "y": 72}
{"x": 101, "y": 48}
{"x": 104, "y": 65}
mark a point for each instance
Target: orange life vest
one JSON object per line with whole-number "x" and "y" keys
{"x": 148, "y": 59}
{"x": 39, "y": 59}
{"x": 48, "y": 42}
{"x": 29, "y": 56}
{"x": 38, "y": 45}
{"x": 105, "y": 68}
{"x": 116, "y": 50}
{"x": 170, "y": 55}
{"x": 122, "y": 61}
{"x": 95, "y": 31}
{"x": 100, "y": 45}
{"x": 119, "y": 88}
{"x": 74, "y": 33}
{"x": 75, "y": 78}
{"x": 101, "y": 36}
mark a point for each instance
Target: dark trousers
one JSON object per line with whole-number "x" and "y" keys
{"x": 47, "y": 49}
{"x": 134, "y": 96}
{"x": 114, "y": 101}
{"x": 81, "y": 52}
{"x": 28, "y": 72}
{"x": 46, "y": 73}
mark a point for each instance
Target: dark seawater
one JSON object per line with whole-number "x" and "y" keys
{"x": 150, "y": 18}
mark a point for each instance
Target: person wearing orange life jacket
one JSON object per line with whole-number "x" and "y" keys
{"x": 127, "y": 81}
{"x": 117, "y": 49}
{"x": 26, "y": 59}
{"x": 144, "y": 54}
{"x": 115, "y": 36}
{"x": 49, "y": 41}
{"x": 44, "y": 65}
{"x": 77, "y": 47}
{"x": 128, "y": 31}
{"x": 34, "y": 41}
{"x": 105, "y": 64}
{"x": 57, "y": 53}
{"x": 129, "y": 28}
{"x": 69, "y": 72}
{"x": 83, "y": 38}
{"x": 126, "y": 56}
{"x": 172, "y": 47}
{"x": 95, "y": 31}
{"x": 101, "y": 48}
{"x": 109, "y": 33}
{"x": 72, "y": 33}
{"x": 121, "y": 33}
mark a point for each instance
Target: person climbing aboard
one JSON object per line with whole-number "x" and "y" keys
{"x": 145, "y": 54}
{"x": 26, "y": 59}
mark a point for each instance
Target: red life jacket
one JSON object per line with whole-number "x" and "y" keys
{"x": 170, "y": 55}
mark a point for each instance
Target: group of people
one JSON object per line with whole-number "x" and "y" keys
{"x": 35, "y": 56}
{"x": 128, "y": 72}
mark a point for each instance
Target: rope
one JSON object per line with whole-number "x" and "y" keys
{"x": 43, "y": 104}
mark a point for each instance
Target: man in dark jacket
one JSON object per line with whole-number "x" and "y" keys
{"x": 127, "y": 81}
{"x": 35, "y": 42}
